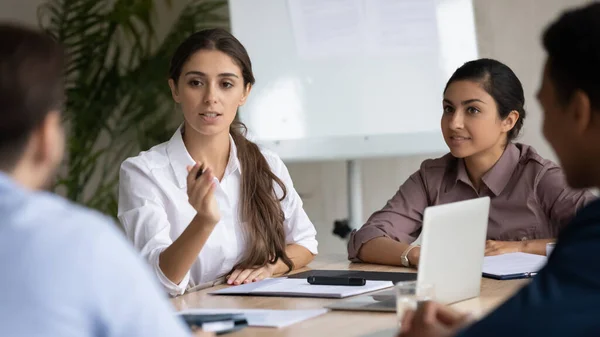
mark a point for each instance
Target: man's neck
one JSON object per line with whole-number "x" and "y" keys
{"x": 24, "y": 175}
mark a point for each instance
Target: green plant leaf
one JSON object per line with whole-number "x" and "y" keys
{"x": 118, "y": 101}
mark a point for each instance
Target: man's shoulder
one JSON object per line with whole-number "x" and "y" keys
{"x": 49, "y": 230}
{"x": 60, "y": 255}
{"x": 60, "y": 222}
{"x": 586, "y": 221}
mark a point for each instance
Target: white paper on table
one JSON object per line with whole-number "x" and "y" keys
{"x": 301, "y": 288}
{"x": 513, "y": 263}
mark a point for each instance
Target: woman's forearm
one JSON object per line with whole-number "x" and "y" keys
{"x": 299, "y": 255}
{"x": 383, "y": 250}
{"x": 177, "y": 259}
{"x": 536, "y": 246}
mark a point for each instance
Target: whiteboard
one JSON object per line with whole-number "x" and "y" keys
{"x": 351, "y": 79}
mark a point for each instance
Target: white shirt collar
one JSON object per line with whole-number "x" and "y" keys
{"x": 180, "y": 158}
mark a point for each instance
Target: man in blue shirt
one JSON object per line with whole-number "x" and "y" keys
{"x": 564, "y": 298}
{"x": 66, "y": 271}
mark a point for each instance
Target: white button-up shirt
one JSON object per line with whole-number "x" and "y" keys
{"x": 154, "y": 210}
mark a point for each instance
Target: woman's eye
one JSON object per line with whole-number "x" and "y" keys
{"x": 473, "y": 111}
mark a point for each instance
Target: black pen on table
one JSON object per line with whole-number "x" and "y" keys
{"x": 336, "y": 281}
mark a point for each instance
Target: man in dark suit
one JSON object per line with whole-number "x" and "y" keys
{"x": 564, "y": 298}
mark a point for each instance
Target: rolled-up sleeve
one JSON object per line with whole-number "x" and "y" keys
{"x": 559, "y": 201}
{"x": 400, "y": 219}
{"x": 145, "y": 220}
{"x": 298, "y": 227}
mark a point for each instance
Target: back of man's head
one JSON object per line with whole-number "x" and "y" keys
{"x": 573, "y": 46}
{"x": 570, "y": 93}
{"x": 31, "y": 89}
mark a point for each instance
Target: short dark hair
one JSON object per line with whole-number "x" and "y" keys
{"x": 573, "y": 46}
{"x": 498, "y": 80}
{"x": 31, "y": 85}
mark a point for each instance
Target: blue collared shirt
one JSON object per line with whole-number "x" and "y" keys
{"x": 67, "y": 271}
{"x": 564, "y": 298}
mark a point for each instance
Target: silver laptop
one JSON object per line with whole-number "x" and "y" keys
{"x": 453, "y": 245}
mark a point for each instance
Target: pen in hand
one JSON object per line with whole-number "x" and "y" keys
{"x": 200, "y": 171}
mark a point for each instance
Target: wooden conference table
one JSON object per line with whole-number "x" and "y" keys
{"x": 337, "y": 323}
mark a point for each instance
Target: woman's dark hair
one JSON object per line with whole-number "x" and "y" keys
{"x": 498, "y": 80}
{"x": 260, "y": 207}
{"x": 573, "y": 46}
{"x": 31, "y": 86}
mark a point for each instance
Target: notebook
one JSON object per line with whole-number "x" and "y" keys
{"x": 512, "y": 266}
{"x": 301, "y": 288}
{"x": 220, "y": 323}
{"x": 265, "y": 318}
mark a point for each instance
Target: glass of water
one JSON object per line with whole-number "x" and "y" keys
{"x": 549, "y": 248}
{"x": 408, "y": 296}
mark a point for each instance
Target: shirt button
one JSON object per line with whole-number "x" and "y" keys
{"x": 524, "y": 238}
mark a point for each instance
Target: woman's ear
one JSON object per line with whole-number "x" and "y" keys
{"x": 510, "y": 121}
{"x": 174, "y": 91}
{"x": 247, "y": 90}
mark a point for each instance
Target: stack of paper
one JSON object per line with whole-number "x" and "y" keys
{"x": 513, "y": 265}
{"x": 301, "y": 288}
{"x": 264, "y": 318}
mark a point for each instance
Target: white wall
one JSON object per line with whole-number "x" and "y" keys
{"x": 23, "y": 11}
{"x": 508, "y": 30}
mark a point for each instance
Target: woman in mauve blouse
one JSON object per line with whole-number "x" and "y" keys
{"x": 483, "y": 112}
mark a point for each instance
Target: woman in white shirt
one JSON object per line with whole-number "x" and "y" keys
{"x": 210, "y": 203}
